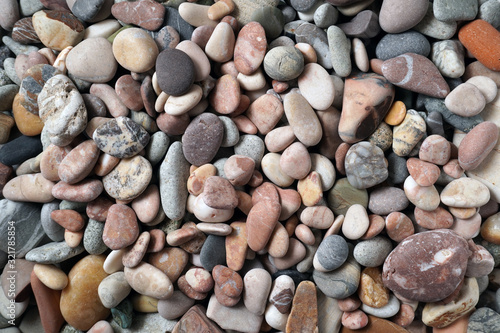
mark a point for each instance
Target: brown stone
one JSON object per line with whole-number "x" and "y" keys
{"x": 47, "y": 301}
{"x": 170, "y": 260}
{"x": 129, "y": 92}
{"x": 80, "y": 304}
{"x": 265, "y": 112}
{"x": 68, "y": 219}
{"x": 52, "y": 157}
{"x": 199, "y": 279}
{"x": 228, "y": 281}
{"x": 196, "y": 243}
{"x": 226, "y": 95}
{"x": 98, "y": 209}
{"x": 371, "y": 290}
{"x": 236, "y": 246}
{"x": 304, "y": 314}
{"x": 260, "y": 223}
{"x": 181, "y": 236}
{"x": 197, "y": 179}
{"x": 219, "y": 193}
{"x": 377, "y": 325}
{"x": 195, "y": 320}
{"x": 147, "y": 14}
{"x": 250, "y": 48}
{"x": 439, "y": 218}
{"x": 187, "y": 290}
{"x": 435, "y": 149}
{"x": 424, "y": 173}
{"x": 134, "y": 254}
{"x": 477, "y": 144}
{"x": 85, "y": 191}
{"x": 121, "y": 228}
{"x": 239, "y": 169}
{"x": 398, "y": 226}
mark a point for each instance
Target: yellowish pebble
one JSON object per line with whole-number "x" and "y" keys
{"x": 51, "y": 276}
{"x": 396, "y": 114}
{"x": 144, "y": 304}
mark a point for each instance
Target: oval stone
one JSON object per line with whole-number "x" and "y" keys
{"x": 175, "y": 72}
{"x": 202, "y": 139}
{"x": 284, "y": 63}
{"x": 149, "y": 280}
{"x": 477, "y": 144}
{"x": 80, "y": 304}
{"x": 465, "y": 193}
{"x": 121, "y": 228}
{"x": 250, "y": 48}
{"x": 135, "y": 50}
{"x": 331, "y": 254}
{"x": 79, "y": 163}
{"x": 121, "y": 137}
{"x": 427, "y": 266}
{"x": 316, "y": 86}
{"x": 302, "y": 119}
{"x": 129, "y": 178}
{"x": 58, "y": 29}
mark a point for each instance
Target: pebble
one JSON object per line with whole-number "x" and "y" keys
{"x": 257, "y": 285}
{"x": 176, "y": 306}
{"x": 372, "y": 252}
{"x": 284, "y": 63}
{"x": 202, "y": 139}
{"x": 313, "y": 79}
{"x": 302, "y": 119}
{"x": 393, "y": 45}
{"x": 386, "y": 311}
{"x": 407, "y": 134}
{"x": 439, "y": 251}
{"x": 445, "y": 10}
{"x": 128, "y": 179}
{"x": 478, "y": 36}
{"x": 466, "y": 100}
{"x": 340, "y": 283}
{"x": 365, "y": 165}
{"x": 400, "y": 15}
{"x": 250, "y": 47}
{"x": 482, "y": 320}
{"x": 65, "y": 25}
{"x": 220, "y": 45}
{"x": 265, "y": 112}
{"x": 235, "y": 317}
{"x": 385, "y": 200}
{"x": 483, "y": 138}
{"x": 30, "y": 188}
{"x": 135, "y": 50}
{"x": 465, "y": 193}
{"x": 423, "y": 197}
{"x": 340, "y": 48}
{"x": 113, "y": 289}
{"x": 448, "y": 56}
{"x": 140, "y": 277}
{"x": 304, "y": 313}
{"x": 92, "y": 238}
{"x": 313, "y": 35}
{"x": 147, "y": 14}
{"x": 331, "y": 254}
{"x": 121, "y": 228}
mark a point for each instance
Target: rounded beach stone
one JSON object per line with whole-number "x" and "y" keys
{"x": 284, "y": 63}
{"x": 303, "y": 119}
{"x": 465, "y": 100}
{"x": 202, "y": 139}
{"x": 435, "y": 149}
{"x": 486, "y": 85}
{"x": 121, "y": 228}
{"x": 257, "y": 284}
{"x": 250, "y": 48}
{"x": 313, "y": 79}
{"x": 51, "y": 276}
{"x": 84, "y": 191}
{"x": 340, "y": 283}
{"x": 113, "y": 289}
{"x": 356, "y": 222}
{"x": 129, "y": 92}
{"x": 331, "y": 254}
{"x": 440, "y": 253}
{"x": 340, "y": 47}
{"x": 147, "y": 14}
{"x": 465, "y": 193}
{"x": 482, "y": 40}
{"x": 92, "y": 60}
{"x": 239, "y": 169}
{"x": 226, "y": 95}
{"x": 295, "y": 161}
{"x": 129, "y": 178}
{"x": 79, "y": 162}
{"x": 149, "y": 281}
{"x": 80, "y": 303}
{"x": 220, "y": 45}
{"x": 372, "y": 252}
{"x": 30, "y": 188}
{"x": 62, "y": 109}
{"x": 365, "y": 165}
{"x": 448, "y": 56}
{"x": 477, "y": 144}
{"x": 176, "y": 306}
{"x": 135, "y": 50}
{"x": 200, "y": 61}
{"x": 393, "y": 45}
{"x": 398, "y": 226}
{"x": 407, "y": 134}
{"x": 65, "y": 26}
{"x": 121, "y": 137}
{"x": 175, "y": 72}
{"x": 400, "y": 15}
{"x": 385, "y": 200}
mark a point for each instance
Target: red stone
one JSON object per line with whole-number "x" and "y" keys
{"x": 121, "y": 228}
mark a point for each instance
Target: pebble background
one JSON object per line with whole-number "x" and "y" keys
{"x": 250, "y": 166}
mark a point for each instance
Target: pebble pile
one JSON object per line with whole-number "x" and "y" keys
{"x": 250, "y": 166}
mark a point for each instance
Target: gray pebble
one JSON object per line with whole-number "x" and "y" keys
{"x": 146, "y": 322}
{"x": 434, "y": 122}
{"x": 67, "y": 328}
{"x": 18, "y": 48}
{"x": 281, "y": 41}
{"x": 231, "y": 132}
{"x": 157, "y": 147}
{"x": 288, "y": 13}
{"x": 398, "y": 171}
{"x": 340, "y": 51}
{"x": 332, "y": 252}
{"x": 302, "y": 5}
{"x": 490, "y": 12}
{"x": 26, "y": 218}
{"x": 53, "y": 253}
{"x": 455, "y": 10}
{"x": 385, "y": 200}
{"x": 432, "y": 27}
{"x": 493, "y": 249}
{"x": 80, "y": 207}
{"x": 86, "y": 10}
{"x": 271, "y": 19}
{"x": 482, "y": 283}
{"x": 219, "y": 165}
{"x": 365, "y": 165}
{"x": 4, "y": 78}
{"x": 484, "y": 320}
{"x": 30, "y": 7}
{"x": 388, "y": 310}
{"x": 325, "y": 16}
{"x": 10, "y": 70}
{"x": 7, "y": 94}
{"x": 340, "y": 283}
{"x": 174, "y": 173}
{"x": 372, "y": 252}
{"x": 284, "y": 63}
{"x": 92, "y": 237}
{"x": 52, "y": 229}
{"x": 393, "y": 45}
{"x": 251, "y": 146}
{"x": 317, "y": 38}
{"x": 364, "y": 25}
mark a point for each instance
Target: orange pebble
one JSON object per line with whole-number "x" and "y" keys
{"x": 396, "y": 114}
{"x": 376, "y": 65}
{"x": 482, "y": 40}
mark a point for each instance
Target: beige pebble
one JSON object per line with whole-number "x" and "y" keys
{"x": 295, "y": 161}
{"x": 308, "y": 52}
{"x": 135, "y": 50}
{"x": 178, "y": 105}
{"x": 271, "y": 168}
{"x": 318, "y": 217}
{"x": 279, "y": 138}
{"x": 30, "y": 188}
{"x": 149, "y": 281}
{"x": 278, "y": 243}
{"x": 252, "y": 82}
{"x": 220, "y": 46}
{"x": 199, "y": 58}
{"x": 304, "y": 234}
{"x": 310, "y": 189}
{"x": 196, "y": 14}
{"x": 51, "y": 276}
{"x": 296, "y": 252}
{"x": 356, "y": 222}
{"x": 73, "y": 238}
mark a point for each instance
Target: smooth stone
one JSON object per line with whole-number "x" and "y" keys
{"x": 372, "y": 252}
{"x": 53, "y": 230}
{"x": 147, "y": 322}
{"x": 48, "y": 301}
{"x": 424, "y": 173}
{"x": 317, "y": 38}
{"x": 250, "y": 47}
{"x": 236, "y": 317}
{"x": 448, "y": 56}
{"x": 80, "y": 303}
{"x": 439, "y": 218}
{"x": 364, "y": 25}
{"x": 393, "y": 45}
{"x": 33, "y": 80}
{"x": 486, "y": 85}
{"x": 140, "y": 279}
{"x": 213, "y": 252}
{"x": 226, "y": 95}
{"x": 265, "y": 112}
{"x": 20, "y": 149}
{"x": 304, "y": 312}
{"x": 220, "y": 45}
{"x": 408, "y": 133}
{"x": 440, "y": 251}
{"x": 79, "y": 162}
{"x": 157, "y": 147}
{"x": 302, "y": 119}
{"x": 121, "y": 228}
{"x": 365, "y": 166}
{"x": 483, "y": 320}
{"x": 257, "y": 285}
{"x": 148, "y": 14}
{"x": 113, "y": 289}
{"x": 463, "y": 10}
{"x": 340, "y": 48}
{"x": 356, "y": 222}
{"x": 331, "y": 254}
{"x": 386, "y": 200}
{"x": 310, "y": 80}
{"x": 202, "y": 139}
{"x": 30, "y": 188}
{"x": 400, "y": 15}
{"x": 340, "y": 283}
{"x": 386, "y": 311}
{"x": 461, "y": 123}
{"x": 84, "y": 191}
{"x": 103, "y": 29}
{"x": 343, "y": 195}
{"x": 170, "y": 260}
{"x": 284, "y": 63}
{"x": 8, "y": 93}
{"x": 176, "y": 306}
{"x": 171, "y": 65}
{"x": 135, "y": 50}
{"x": 477, "y": 144}
{"x": 423, "y": 197}
{"x": 465, "y": 193}
{"x": 432, "y": 27}
{"x": 135, "y": 172}
{"x": 92, "y": 237}
{"x": 466, "y": 100}
{"x": 99, "y": 71}
{"x": 68, "y": 28}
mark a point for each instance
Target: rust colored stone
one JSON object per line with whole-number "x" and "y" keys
{"x": 304, "y": 314}
{"x": 68, "y": 219}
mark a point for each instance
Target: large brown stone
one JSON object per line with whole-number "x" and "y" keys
{"x": 304, "y": 314}
{"x": 48, "y": 301}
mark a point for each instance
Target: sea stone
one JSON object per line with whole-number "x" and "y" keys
{"x": 121, "y": 137}
{"x": 33, "y": 83}
{"x": 302, "y": 119}
{"x": 121, "y": 228}
{"x": 365, "y": 165}
{"x": 401, "y": 15}
{"x": 407, "y": 134}
{"x": 129, "y": 178}
{"x": 202, "y": 139}
{"x": 149, "y": 280}
{"x": 436, "y": 269}
{"x": 175, "y": 72}
{"x": 81, "y": 306}
{"x": 58, "y": 29}
{"x": 62, "y": 109}
{"x": 361, "y": 112}
{"x": 465, "y": 193}
{"x": 477, "y": 144}
{"x": 135, "y": 50}
{"x": 147, "y": 14}
{"x": 284, "y": 63}
{"x": 416, "y": 73}
{"x": 250, "y": 48}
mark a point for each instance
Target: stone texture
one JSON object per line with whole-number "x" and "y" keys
{"x": 365, "y": 165}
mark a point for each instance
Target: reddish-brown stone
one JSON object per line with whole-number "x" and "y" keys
{"x": 147, "y": 14}
{"x": 424, "y": 173}
{"x": 69, "y": 219}
{"x": 229, "y": 282}
{"x": 219, "y": 193}
{"x": 98, "y": 209}
{"x": 439, "y": 218}
{"x": 121, "y": 228}
{"x": 304, "y": 314}
{"x": 129, "y": 92}
{"x": 250, "y": 48}
{"x": 47, "y": 301}
{"x": 265, "y": 112}
{"x": 170, "y": 260}
{"x": 195, "y": 320}
{"x": 226, "y": 95}
{"x": 260, "y": 223}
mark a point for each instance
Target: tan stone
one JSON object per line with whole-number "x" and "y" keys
{"x": 148, "y": 280}
{"x": 236, "y": 246}
{"x": 28, "y": 123}
{"x": 51, "y": 276}
{"x": 30, "y": 187}
{"x": 372, "y": 291}
{"x": 304, "y": 314}
{"x": 310, "y": 189}
{"x": 171, "y": 261}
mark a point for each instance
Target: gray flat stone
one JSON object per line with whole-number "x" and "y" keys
{"x": 53, "y": 253}
{"x": 53, "y": 230}
{"x": 92, "y": 237}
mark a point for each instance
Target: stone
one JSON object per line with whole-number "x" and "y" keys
{"x": 476, "y": 38}
{"x": 465, "y": 193}
{"x": 128, "y": 179}
{"x": 257, "y": 285}
{"x": 29, "y": 187}
{"x": 265, "y": 112}
{"x": 65, "y": 25}
{"x": 220, "y": 45}
{"x": 92, "y": 237}
{"x": 455, "y": 11}
{"x": 80, "y": 303}
{"x": 135, "y": 50}
{"x": 424, "y": 173}
{"x": 312, "y": 79}
{"x": 331, "y": 254}
{"x": 466, "y": 100}
{"x": 397, "y": 16}
{"x": 304, "y": 313}
{"x": 173, "y": 63}
{"x": 170, "y": 260}
{"x": 302, "y": 119}
{"x": 340, "y": 47}
{"x": 386, "y": 311}
{"x": 398, "y": 226}
{"x": 62, "y": 110}
{"x": 411, "y": 70}
{"x": 408, "y": 133}
{"x": 20, "y": 149}
{"x": 372, "y": 252}
{"x": 121, "y": 228}
{"x": 195, "y": 320}
{"x": 448, "y": 55}
{"x": 483, "y": 138}
{"x": 84, "y": 191}
{"x": 250, "y": 47}
{"x": 440, "y": 251}
{"x": 340, "y": 283}
{"x": 371, "y": 291}
{"x": 226, "y": 95}
{"x": 235, "y": 317}
{"x": 176, "y": 306}
{"x": 482, "y": 320}
{"x": 290, "y": 60}
{"x": 113, "y": 289}
{"x": 202, "y": 139}
{"x": 365, "y": 165}
{"x": 317, "y": 38}
{"x": 79, "y": 162}
{"x": 393, "y": 45}
{"x": 141, "y": 278}
{"x": 364, "y": 25}
{"x": 32, "y": 83}
{"x": 213, "y": 252}
{"x": 147, "y": 14}
{"x": 385, "y": 200}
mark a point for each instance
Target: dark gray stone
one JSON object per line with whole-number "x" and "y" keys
{"x": 213, "y": 252}
{"x": 20, "y": 149}
{"x": 202, "y": 139}
{"x": 393, "y": 45}
{"x": 53, "y": 253}
{"x": 398, "y": 171}
{"x": 493, "y": 249}
{"x": 340, "y": 283}
{"x": 92, "y": 237}
{"x": 86, "y": 10}
{"x": 484, "y": 320}
{"x": 332, "y": 252}
{"x": 288, "y": 13}
{"x": 4, "y": 54}
{"x": 7, "y": 93}
{"x": 174, "y": 71}
{"x": 94, "y": 105}
{"x": 363, "y": 25}
{"x": 25, "y": 219}
{"x": 434, "y": 122}
{"x": 302, "y": 5}
{"x": 53, "y": 230}
{"x": 173, "y": 19}
{"x": 465, "y": 124}
{"x": 317, "y": 38}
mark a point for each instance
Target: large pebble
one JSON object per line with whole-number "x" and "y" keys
{"x": 466, "y": 100}
{"x": 30, "y": 188}
{"x": 79, "y": 162}
{"x": 284, "y": 63}
{"x": 477, "y": 144}
{"x": 92, "y": 60}
{"x": 331, "y": 254}
{"x": 202, "y": 139}
{"x": 121, "y": 228}
{"x": 175, "y": 72}
{"x": 58, "y": 29}
{"x": 365, "y": 165}
{"x": 146, "y": 14}
{"x": 129, "y": 178}
{"x": 465, "y": 193}
{"x": 149, "y": 280}
{"x": 303, "y": 119}
{"x": 134, "y": 49}
{"x": 314, "y": 79}
{"x": 407, "y": 134}
{"x": 401, "y": 15}
{"x": 372, "y": 252}
{"x": 250, "y": 47}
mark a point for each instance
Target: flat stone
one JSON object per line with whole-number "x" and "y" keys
{"x": 304, "y": 313}
{"x": 236, "y": 317}
{"x": 141, "y": 280}
{"x": 340, "y": 283}
{"x": 121, "y": 228}
{"x": 393, "y": 45}
{"x": 202, "y": 139}
{"x": 128, "y": 179}
{"x": 147, "y": 14}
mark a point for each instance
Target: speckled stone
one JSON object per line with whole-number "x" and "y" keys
{"x": 53, "y": 253}
{"x": 393, "y": 45}
{"x": 372, "y": 252}
{"x": 331, "y": 254}
{"x": 121, "y": 137}
{"x": 484, "y": 320}
{"x": 365, "y": 165}
{"x": 32, "y": 84}
{"x": 92, "y": 237}
{"x": 202, "y": 139}
{"x": 129, "y": 178}
{"x": 284, "y": 63}
{"x": 340, "y": 283}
